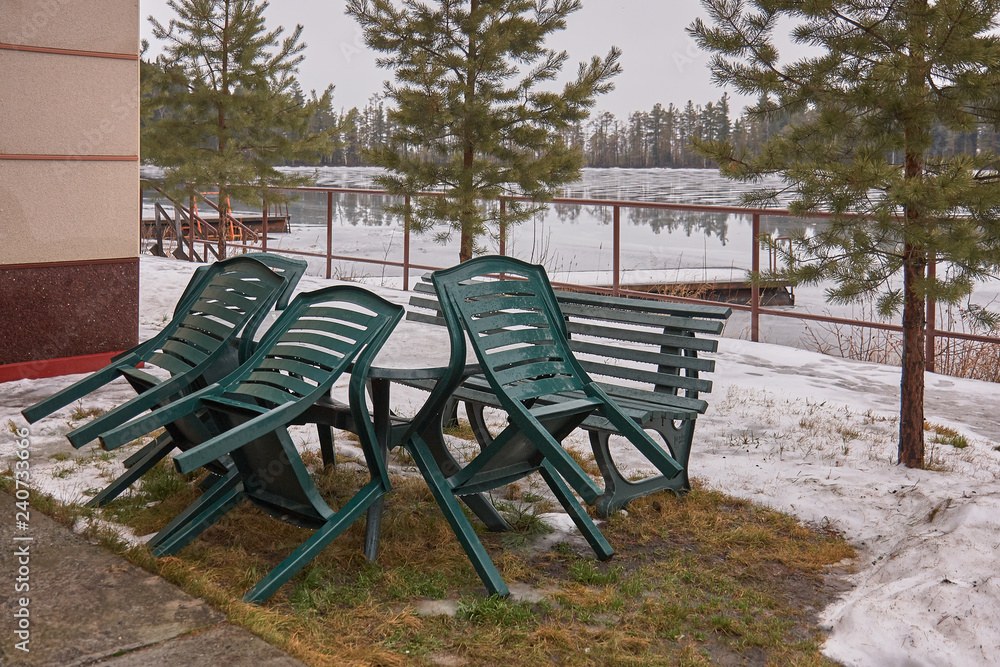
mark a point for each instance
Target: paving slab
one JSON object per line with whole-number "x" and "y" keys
{"x": 222, "y": 645}
{"x": 86, "y": 604}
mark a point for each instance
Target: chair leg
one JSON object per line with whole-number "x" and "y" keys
{"x": 326, "y": 447}
{"x": 201, "y": 514}
{"x": 154, "y": 453}
{"x": 157, "y": 443}
{"x": 433, "y": 439}
{"x": 446, "y": 500}
{"x": 316, "y": 543}
{"x": 576, "y": 512}
{"x": 373, "y": 525}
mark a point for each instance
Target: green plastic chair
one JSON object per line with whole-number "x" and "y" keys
{"x": 296, "y": 363}
{"x": 518, "y": 334}
{"x": 191, "y": 429}
{"x": 228, "y": 298}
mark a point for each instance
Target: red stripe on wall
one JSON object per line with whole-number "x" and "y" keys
{"x": 68, "y": 52}
{"x": 96, "y": 158}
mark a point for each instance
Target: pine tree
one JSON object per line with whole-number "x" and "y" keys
{"x": 884, "y": 76}
{"x": 467, "y": 97}
{"x": 228, "y": 105}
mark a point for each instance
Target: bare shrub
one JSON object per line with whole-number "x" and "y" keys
{"x": 953, "y": 356}
{"x": 856, "y": 342}
{"x": 968, "y": 358}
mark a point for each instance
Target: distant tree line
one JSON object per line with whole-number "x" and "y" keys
{"x": 660, "y": 137}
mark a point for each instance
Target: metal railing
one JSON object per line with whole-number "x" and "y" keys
{"x": 754, "y": 307}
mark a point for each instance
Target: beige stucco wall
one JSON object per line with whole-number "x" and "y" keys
{"x": 76, "y": 211}
{"x": 54, "y": 104}
{"x": 45, "y": 109}
{"x": 110, "y": 26}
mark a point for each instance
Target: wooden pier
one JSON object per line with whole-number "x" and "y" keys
{"x": 278, "y": 224}
{"x": 726, "y": 284}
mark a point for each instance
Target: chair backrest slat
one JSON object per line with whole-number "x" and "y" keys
{"x": 508, "y": 320}
{"x": 170, "y": 363}
{"x": 184, "y": 351}
{"x": 241, "y": 283}
{"x": 340, "y": 315}
{"x": 333, "y": 343}
{"x": 218, "y": 329}
{"x": 543, "y": 387}
{"x": 230, "y": 297}
{"x": 195, "y": 337}
{"x": 531, "y": 372}
{"x": 218, "y": 310}
{"x": 285, "y": 381}
{"x": 506, "y": 337}
{"x": 305, "y": 354}
{"x": 311, "y": 371}
{"x": 265, "y": 392}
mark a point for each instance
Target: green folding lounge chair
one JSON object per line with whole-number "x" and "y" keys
{"x": 190, "y": 430}
{"x": 519, "y": 337}
{"x": 296, "y": 363}
{"x": 230, "y": 297}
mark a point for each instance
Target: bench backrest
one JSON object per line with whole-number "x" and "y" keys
{"x": 630, "y": 346}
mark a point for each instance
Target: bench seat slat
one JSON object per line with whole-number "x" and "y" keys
{"x": 660, "y": 398}
{"x": 651, "y": 377}
{"x": 424, "y": 318}
{"x": 630, "y": 354}
{"x": 646, "y": 305}
{"x": 672, "y": 323}
{"x": 648, "y": 337}
{"x": 477, "y": 389}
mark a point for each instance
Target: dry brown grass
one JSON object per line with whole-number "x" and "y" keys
{"x": 702, "y": 579}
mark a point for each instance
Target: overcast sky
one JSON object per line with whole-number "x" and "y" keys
{"x": 660, "y": 62}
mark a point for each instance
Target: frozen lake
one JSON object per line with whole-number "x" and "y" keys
{"x": 570, "y": 239}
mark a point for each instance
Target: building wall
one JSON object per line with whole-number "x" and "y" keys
{"x": 69, "y": 207}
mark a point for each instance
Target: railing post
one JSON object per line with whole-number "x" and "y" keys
{"x": 191, "y": 252}
{"x": 755, "y": 288}
{"x": 263, "y": 222}
{"x": 616, "y": 279}
{"x": 503, "y": 226}
{"x": 329, "y": 233}
{"x": 406, "y": 243}
{"x": 141, "y": 226}
{"x": 929, "y": 352}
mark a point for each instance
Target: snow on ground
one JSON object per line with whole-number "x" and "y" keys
{"x": 805, "y": 433}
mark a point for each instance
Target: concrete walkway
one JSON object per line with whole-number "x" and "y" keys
{"x": 87, "y": 606}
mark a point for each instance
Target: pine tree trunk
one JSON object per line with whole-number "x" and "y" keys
{"x": 223, "y": 198}
{"x": 911, "y": 413}
{"x": 468, "y": 203}
{"x": 911, "y": 386}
